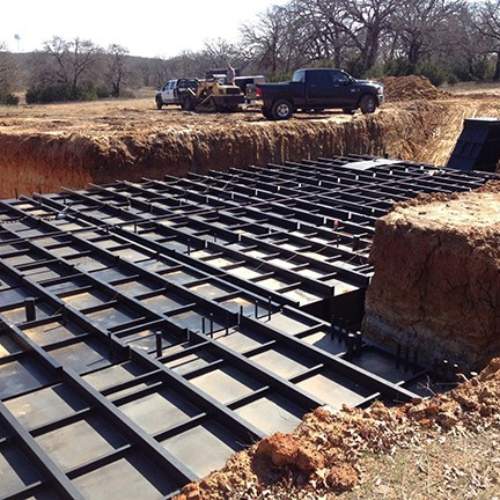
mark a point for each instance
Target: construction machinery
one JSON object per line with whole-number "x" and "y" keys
{"x": 211, "y": 95}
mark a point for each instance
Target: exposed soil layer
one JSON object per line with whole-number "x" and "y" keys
{"x": 409, "y": 88}
{"x": 327, "y": 453}
{"x": 46, "y": 147}
{"x": 436, "y": 287}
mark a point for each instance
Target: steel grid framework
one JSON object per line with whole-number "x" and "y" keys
{"x": 149, "y": 330}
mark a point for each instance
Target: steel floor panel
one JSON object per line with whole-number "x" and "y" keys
{"x": 16, "y": 471}
{"x": 79, "y": 442}
{"x": 159, "y": 410}
{"x": 195, "y": 445}
{"x": 283, "y": 362}
{"x": 335, "y": 391}
{"x": 22, "y": 375}
{"x": 40, "y": 407}
{"x": 148, "y": 330}
{"x": 271, "y": 413}
{"x": 226, "y": 384}
{"x": 128, "y": 477}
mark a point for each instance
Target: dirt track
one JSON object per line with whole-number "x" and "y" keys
{"x": 45, "y": 147}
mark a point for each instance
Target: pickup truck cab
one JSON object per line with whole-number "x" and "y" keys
{"x": 319, "y": 89}
{"x": 172, "y": 92}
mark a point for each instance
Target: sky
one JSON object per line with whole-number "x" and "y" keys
{"x": 146, "y": 27}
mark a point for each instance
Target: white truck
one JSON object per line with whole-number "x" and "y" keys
{"x": 173, "y": 91}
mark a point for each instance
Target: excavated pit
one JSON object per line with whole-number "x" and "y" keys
{"x": 436, "y": 288}
{"x": 72, "y": 145}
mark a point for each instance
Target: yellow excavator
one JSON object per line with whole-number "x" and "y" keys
{"x": 212, "y": 95}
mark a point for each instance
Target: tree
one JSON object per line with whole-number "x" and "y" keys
{"x": 73, "y": 60}
{"x": 272, "y": 40}
{"x": 218, "y": 53}
{"x": 488, "y": 24}
{"x": 368, "y": 21}
{"x": 117, "y": 71}
{"x": 324, "y": 27}
{"x": 8, "y": 76}
{"x": 420, "y": 25}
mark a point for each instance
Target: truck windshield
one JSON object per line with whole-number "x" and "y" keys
{"x": 299, "y": 76}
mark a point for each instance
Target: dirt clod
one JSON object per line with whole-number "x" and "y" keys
{"x": 280, "y": 448}
{"x": 308, "y": 459}
{"x": 342, "y": 478}
{"x": 284, "y": 450}
{"x": 190, "y": 492}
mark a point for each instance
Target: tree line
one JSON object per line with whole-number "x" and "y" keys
{"x": 445, "y": 40}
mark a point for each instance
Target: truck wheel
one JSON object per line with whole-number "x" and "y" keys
{"x": 282, "y": 110}
{"x": 187, "y": 104}
{"x": 159, "y": 104}
{"x": 368, "y": 104}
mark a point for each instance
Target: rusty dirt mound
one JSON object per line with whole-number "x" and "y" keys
{"x": 436, "y": 286}
{"x": 437, "y": 282}
{"x": 325, "y": 453}
{"x": 46, "y": 147}
{"x": 407, "y": 88}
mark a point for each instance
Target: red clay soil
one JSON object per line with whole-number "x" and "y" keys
{"x": 323, "y": 455}
{"x": 436, "y": 286}
{"x": 44, "y": 160}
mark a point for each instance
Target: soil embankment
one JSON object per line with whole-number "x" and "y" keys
{"x": 436, "y": 286}
{"x": 46, "y": 147}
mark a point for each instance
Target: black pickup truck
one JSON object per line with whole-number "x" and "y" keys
{"x": 317, "y": 90}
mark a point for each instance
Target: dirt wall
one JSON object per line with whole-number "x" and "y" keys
{"x": 44, "y": 152}
{"x": 44, "y": 161}
{"x": 436, "y": 287}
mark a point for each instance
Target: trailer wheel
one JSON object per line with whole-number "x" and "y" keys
{"x": 282, "y": 110}
{"x": 368, "y": 104}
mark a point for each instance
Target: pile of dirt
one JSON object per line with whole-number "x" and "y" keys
{"x": 408, "y": 88}
{"x": 436, "y": 287}
{"x": 324, "y": 454}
